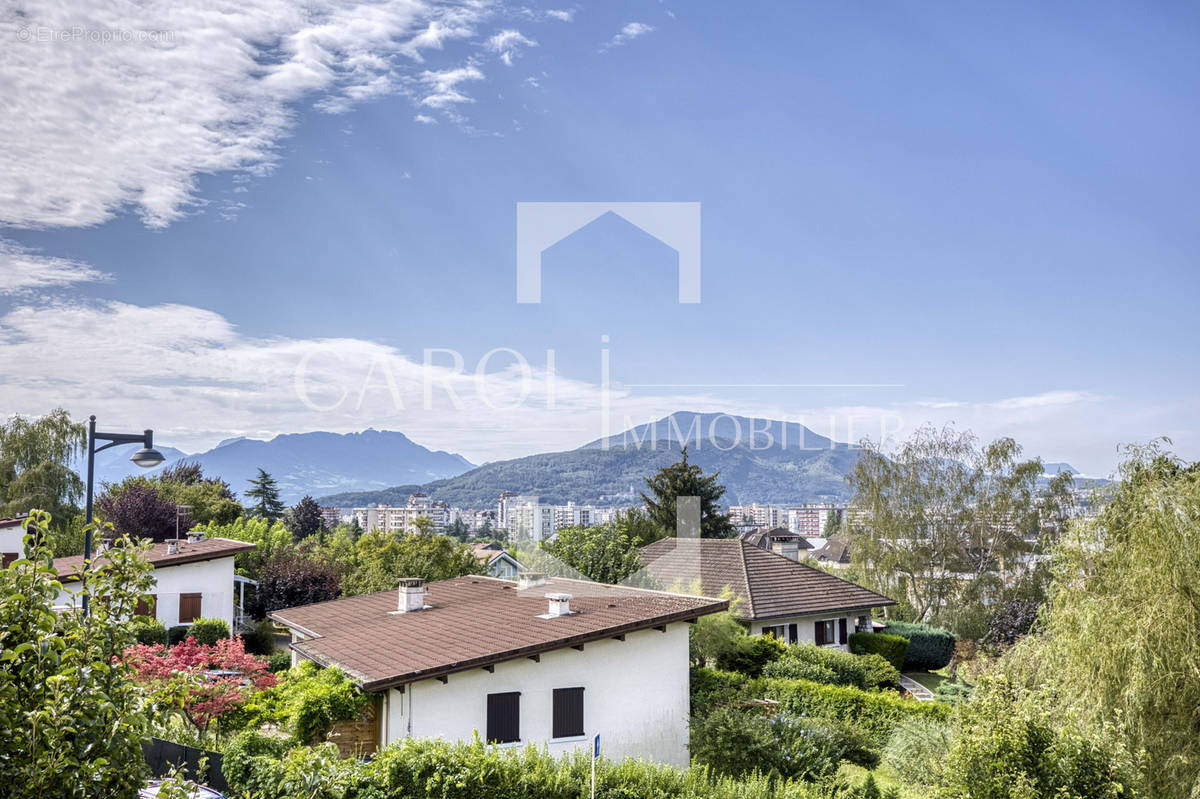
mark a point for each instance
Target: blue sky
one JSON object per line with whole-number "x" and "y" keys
{"x": 983, "y": 213}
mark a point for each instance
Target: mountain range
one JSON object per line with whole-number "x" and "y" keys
{"x": 759, "y": 461}
{"x": 306, "y": 463}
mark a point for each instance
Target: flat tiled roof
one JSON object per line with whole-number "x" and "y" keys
{"x": 189, "y": 552}
{"x": 770, "y": 585}
{"x": 471, "y": 622}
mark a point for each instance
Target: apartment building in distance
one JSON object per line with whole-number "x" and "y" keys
{"x": 812, "y": 520}
{"x": 402, "y": 518}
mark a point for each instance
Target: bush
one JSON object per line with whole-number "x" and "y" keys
{"x": 261, "y": 640}
{"x": 929, "y": 648}
{"x": 954, "y": 691}
{"x": 917, "y": 750}
{"x": 436, "y": 769}
{"x": 734, "y": 741}
{"x": 176, "y": 634}
{"x": 712, "y": 688}
{"x": 208, "y": 631}
{"x": 279, "y": 660}
{"x": 833, "y": 667}
{"x": 875, "y": 712}
{"x": 1007, "y": 740}
{"x": 892, "y": 648}
{"x": 148, "y": 630}
{"x": 750, "y": 654}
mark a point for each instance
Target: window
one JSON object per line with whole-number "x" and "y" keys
{"x": 777, "y": 631}
{"x": 568, "y": 712}
{"x": 146, "y": 608}
{"x": 823, "y": 632}
{"x": 504, "y": 718}
{"x": 842, "y": 631}
{"x": 189, "y": 608}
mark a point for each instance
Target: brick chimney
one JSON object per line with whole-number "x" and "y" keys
{"x": 412, "y": 595}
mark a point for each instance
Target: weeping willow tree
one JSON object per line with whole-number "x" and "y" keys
{"x": 35, "y": 464}
{"x": 948, "y": 527}
{"x": 1120, "y": 642}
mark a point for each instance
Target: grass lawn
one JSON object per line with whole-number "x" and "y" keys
{"x": 928, "y": 679}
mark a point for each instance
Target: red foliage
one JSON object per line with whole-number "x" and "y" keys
{"x": 188, "y": 670}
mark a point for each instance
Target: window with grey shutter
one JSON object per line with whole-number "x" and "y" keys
{"x": 842, "y": 630}
{"x": 819, "y": 633}
{"x": 504, "y": 717}
{"x": 793, "y": 634}
{"x": 568, "y": 712}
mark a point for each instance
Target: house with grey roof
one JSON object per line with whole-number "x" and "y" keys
{"x": 773, "y": 594}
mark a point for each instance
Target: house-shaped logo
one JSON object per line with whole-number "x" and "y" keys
{"x": 540, "y": 225}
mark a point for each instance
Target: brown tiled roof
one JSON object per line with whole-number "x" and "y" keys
{"x": 836, "y": 549}
{"x": 189, "y": 552}
{"x": 472, "y": 622}
{"x": 762, "y": 538}
{"x": 770, "y": 585}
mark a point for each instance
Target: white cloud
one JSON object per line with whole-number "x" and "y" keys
{"x": 628, "y": 33}
{"x": 441, "y": 86}
{"x": 508, "y": 44}
{"x": 23, "y": 269}
{"x": 425, "y": 119}
{"x": 561, "y": 14}
{"x": 92, "y": 128}
{"x": 194, "y": 377}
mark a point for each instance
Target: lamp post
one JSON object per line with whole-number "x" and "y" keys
{"x": 146, "y": 457}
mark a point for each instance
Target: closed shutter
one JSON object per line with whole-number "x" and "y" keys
{"x": 146, "y": 608}
{"x": 7, "y": 558}
{"x": 842, "y": 630}
{"x": 189, "y": 608}
{"x": 793, "y": 634}
{"x": 568, "y": 712}
{"x": 819, "y": 633}
{"x": 504, "y": 718}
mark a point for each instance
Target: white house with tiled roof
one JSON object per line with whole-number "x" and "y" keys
{"x": 778, "y": 596}
{"x": 549, "y": 662}
{"x": 193, "y": 579}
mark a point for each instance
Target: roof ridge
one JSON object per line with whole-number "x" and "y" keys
{"x": 746, "y": 576}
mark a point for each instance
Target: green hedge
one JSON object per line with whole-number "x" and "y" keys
{"x": 892, "y": 648}
{"x": 833, "y": 667}
{"x": 148, "y": 630}
{"x": 208, "y": 631}
{"x": 435, "y": 769}
{"x": 929, "y": 648}
{"x": 875, "y": 712}
{"x": 711, "y": 688}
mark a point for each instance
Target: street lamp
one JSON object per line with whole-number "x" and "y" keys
{"x": 146, "y": 457}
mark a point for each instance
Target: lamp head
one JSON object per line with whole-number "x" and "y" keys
{"x": 147, "y": 457}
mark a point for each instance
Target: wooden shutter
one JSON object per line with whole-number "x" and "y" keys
{"x": 189, "y": 608}
{"x": 842, "y": 630}
{"x": 568, "y": 712}
{"x": 7, "y": 558}
{"x": 504, "y": 718}
{"x": 819, "y": 633}
{"x": 793, "y": 634}
{"x": 146, "y": 608}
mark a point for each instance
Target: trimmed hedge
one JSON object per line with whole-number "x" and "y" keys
{"x": 208, "y": 631}
{"x": 833, "y": 667}
{"x": 148, "y": 630}
{"x": 891, "y": 648}
{"x": 711, "y": 688}
{"x": 876, "y": 713}
{"x": 929, "y": 648}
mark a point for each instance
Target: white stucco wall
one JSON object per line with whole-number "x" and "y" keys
{"x": 635, "y": 696}
{"x": 213, "y": 579}
{"x": 12, "y": 540}
{"x": 804, "y": 626}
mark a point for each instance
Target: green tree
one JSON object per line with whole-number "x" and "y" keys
{"x": 949, "y": 528}
{"x": 35, "y": 465}
{"x": 72, "y": 719}
{"x": 304, "y": 519}
{"x": 268, "y": 538}
{"x": 381, "y": 559}
{"x": 686, "y": 480}
{"x": 458, "y": 530}
{"x": 265, "y": 491}
{"x": 601, "y": 553}
{"x": 1118, "y": 642}
{"x": 209, "y": 500}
